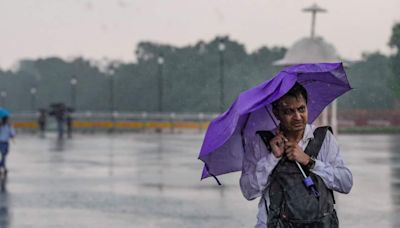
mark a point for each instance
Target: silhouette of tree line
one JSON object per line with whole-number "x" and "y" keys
{"x": 190, "y": 79}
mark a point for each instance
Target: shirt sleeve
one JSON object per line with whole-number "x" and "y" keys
{"x": 331, "y": 168}
{"x": 12, "y": 132}
{"x": 258, "y": 163}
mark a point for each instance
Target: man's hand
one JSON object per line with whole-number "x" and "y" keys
{"x": 295, "y": 153}
{"x": 278, "y": 144}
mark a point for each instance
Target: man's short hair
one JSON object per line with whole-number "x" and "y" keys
{"x": 295, "y": 92}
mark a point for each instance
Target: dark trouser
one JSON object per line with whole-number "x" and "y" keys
{"x": 3, "y": 152}
{"x": 60, "y": 129}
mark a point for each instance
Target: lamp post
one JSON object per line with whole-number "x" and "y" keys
{"x": 221, "y": 48}
{"x": 3, "y": 95}
{"x": 73, "y": 83}
{"x": 111, "y": 74}
{"x": 112, "y": 106}
{"x": 33, "y": 98}
{"x": 160, "y": 62}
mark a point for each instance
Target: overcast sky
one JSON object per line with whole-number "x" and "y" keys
{"x": 111, "y": 28}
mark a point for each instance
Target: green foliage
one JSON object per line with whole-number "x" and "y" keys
{"x": 51, "y": 77}
{"x": 370, "y": 79}
{"x": 395, "y": 60}
{"x": 395, "y": 38}
{"x": 190, "y": 78}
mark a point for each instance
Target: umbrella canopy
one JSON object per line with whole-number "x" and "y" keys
{"x": 223, "y": 146}
{"x": 4, "y": 112}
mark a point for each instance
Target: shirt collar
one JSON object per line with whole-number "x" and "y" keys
{"x": 308, "y": 132}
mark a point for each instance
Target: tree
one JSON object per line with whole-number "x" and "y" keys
{"x": 369, "y": 77}
{"x": 395, "y": 61}
{"x": 190, "y": 78}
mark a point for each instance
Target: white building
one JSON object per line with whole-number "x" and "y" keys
{"x": 314, "y": 49}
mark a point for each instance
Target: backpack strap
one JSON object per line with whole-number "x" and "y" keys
{"x": 314, "y": 146}
{"x": 312, "y": 149}
{"x": 266, "y": 136}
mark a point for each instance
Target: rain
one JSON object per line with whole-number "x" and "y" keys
{"x": 111, "y": 103}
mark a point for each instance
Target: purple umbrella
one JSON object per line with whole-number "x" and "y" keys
{"x": 223, "y": 146}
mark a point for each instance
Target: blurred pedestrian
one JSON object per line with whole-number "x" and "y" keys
{"x": 42, "y": 119}
{"x": 58, "y": 111}
{"x": 7, "y": 132}
{"x": 69, "y": 121}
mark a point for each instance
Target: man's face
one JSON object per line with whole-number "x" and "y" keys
{"x": 292, "y": 113}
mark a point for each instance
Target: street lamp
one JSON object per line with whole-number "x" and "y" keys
{"x": 160, "y": 62}
{"x": 33, "y": 98}
{"x": 111, "y": 74}
{"x": 221, "y": 48}
{"x": 73, "y": 83}
{"x": 3, "y": 95}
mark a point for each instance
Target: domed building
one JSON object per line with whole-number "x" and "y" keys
{"x": 314, "y": 49}
{"x": 309, "y": 50}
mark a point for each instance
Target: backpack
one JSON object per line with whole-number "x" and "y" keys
{"x": 291, "y": 202}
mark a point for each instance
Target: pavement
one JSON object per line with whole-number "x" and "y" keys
{"x": 153, "y": 180}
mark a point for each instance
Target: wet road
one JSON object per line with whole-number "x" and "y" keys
{"x": 152, "y": 180}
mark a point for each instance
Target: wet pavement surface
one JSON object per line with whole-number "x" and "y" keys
{"x": 152, "y": 180}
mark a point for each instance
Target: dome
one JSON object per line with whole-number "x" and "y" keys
{"x": 309, "y": 50}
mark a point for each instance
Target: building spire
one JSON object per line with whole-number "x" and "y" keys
{"x": 314, "y": 9}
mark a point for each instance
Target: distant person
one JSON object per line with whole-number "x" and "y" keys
{"x": 42, "y": 119}
{"x": 58, "y": 111}
{"x": 7, "y": 132}
{"x": 69, "y": 120}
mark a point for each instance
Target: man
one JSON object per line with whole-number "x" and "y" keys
{"x": 269, "y": 169}
{"x": 42, "y": 119}
{"x": 58, "y": 111}
{"x": 7, "y": 132}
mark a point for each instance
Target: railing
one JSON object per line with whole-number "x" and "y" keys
{"x": 124, "y": 121}
{"x": 94, "y": 121}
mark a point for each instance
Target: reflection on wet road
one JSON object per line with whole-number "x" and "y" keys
{"x": 152, "y": 180}
{"x": 373, "y": 160}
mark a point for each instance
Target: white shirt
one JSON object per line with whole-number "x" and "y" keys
{"x": 6, "y": 132}
{"x": 258, "y": 164}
